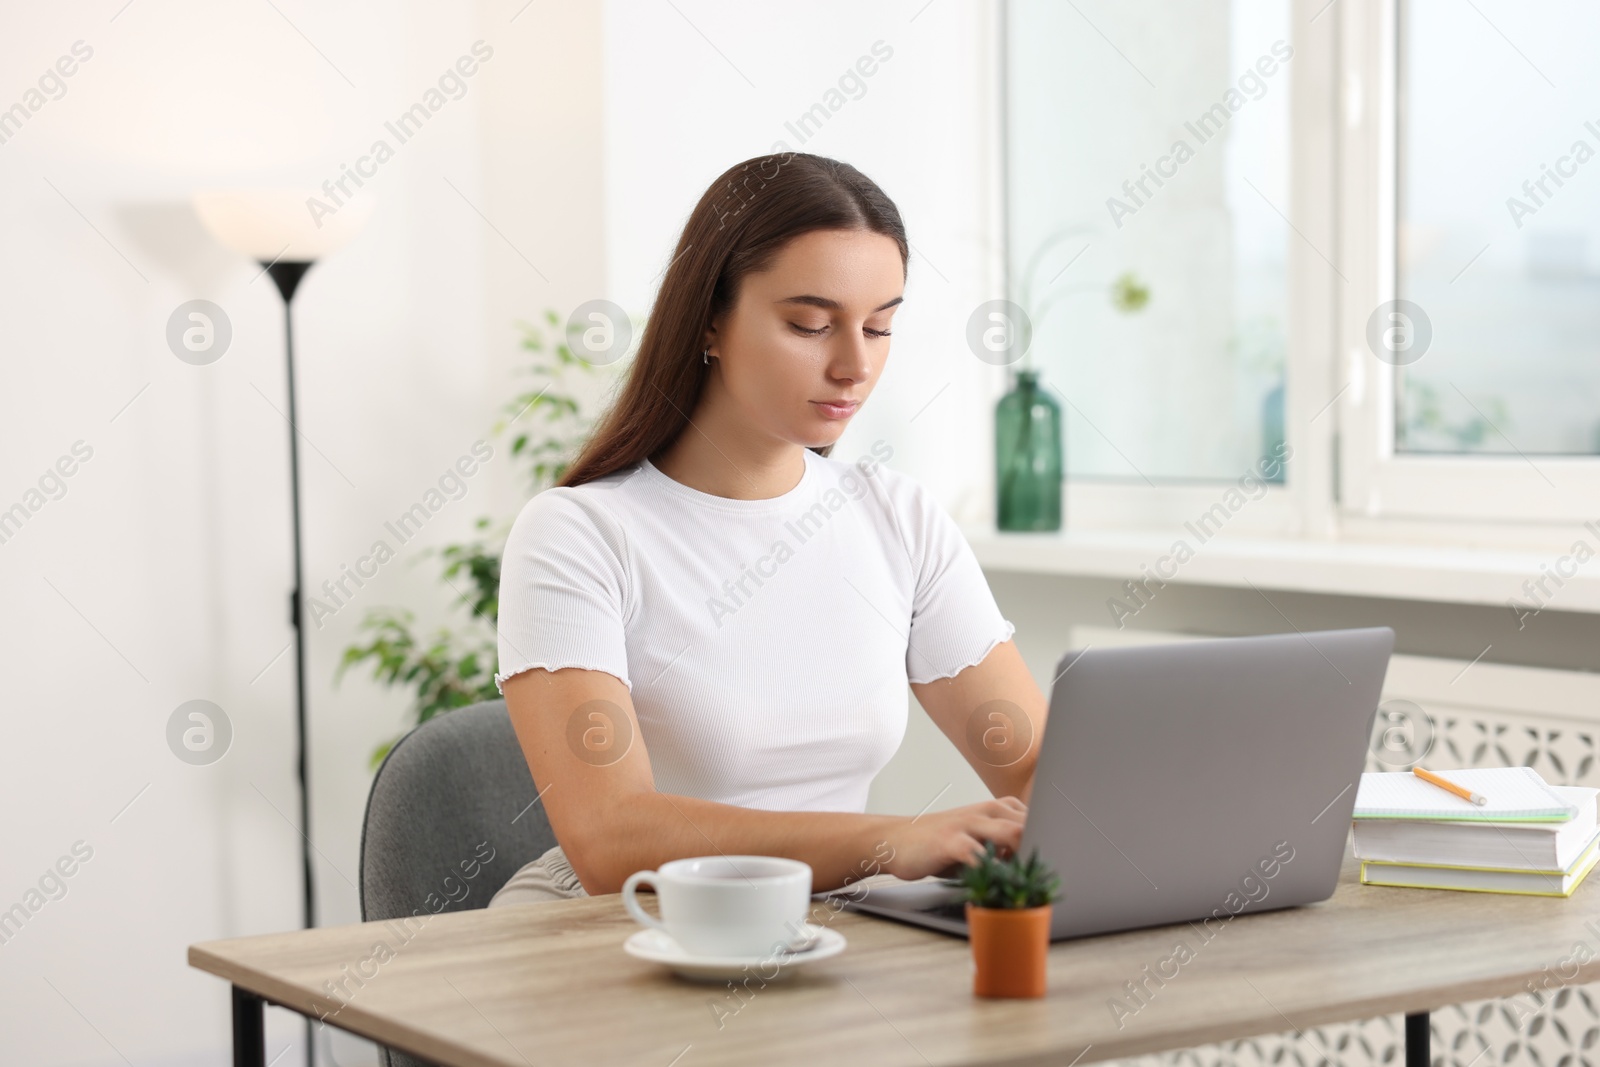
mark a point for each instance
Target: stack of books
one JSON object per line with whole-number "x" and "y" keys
{"x": 1485, "y": 830}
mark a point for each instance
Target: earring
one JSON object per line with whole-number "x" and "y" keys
{"x": 705, "y": 357}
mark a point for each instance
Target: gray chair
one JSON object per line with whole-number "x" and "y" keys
{"x": 449, "y": 791}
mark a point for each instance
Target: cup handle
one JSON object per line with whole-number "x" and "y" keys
{"x": 631, "y": 903}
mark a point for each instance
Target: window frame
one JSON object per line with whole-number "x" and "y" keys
{"x": 1376, "y": 482}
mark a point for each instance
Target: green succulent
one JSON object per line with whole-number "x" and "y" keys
{"x": 992, "y": 882}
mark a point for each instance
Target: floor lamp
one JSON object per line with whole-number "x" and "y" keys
{"x": 276, "y": 228}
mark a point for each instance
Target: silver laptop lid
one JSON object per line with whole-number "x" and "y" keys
{"x": 1203, "y": 778}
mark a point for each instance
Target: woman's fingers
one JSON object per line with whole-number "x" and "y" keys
{"x": 1003, "y": 832}
{"x": 1011, "y": 807}
{"x": 961, "y": 835}
{"x": 972, "y": 849}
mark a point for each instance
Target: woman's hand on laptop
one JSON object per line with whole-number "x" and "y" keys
{"x": 941, "y": 842}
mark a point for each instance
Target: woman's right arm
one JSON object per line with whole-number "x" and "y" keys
{"x": 580, "y": 735}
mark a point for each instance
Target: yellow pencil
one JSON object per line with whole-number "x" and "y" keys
{"x": 1465, "y": 794}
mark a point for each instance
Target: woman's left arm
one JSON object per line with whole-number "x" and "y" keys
{"x": 994, "y": 713}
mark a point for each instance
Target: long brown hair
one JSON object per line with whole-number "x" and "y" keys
{"x": 740, "y": 223}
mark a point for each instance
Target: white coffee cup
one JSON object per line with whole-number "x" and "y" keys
{"x": 726, "y": 905}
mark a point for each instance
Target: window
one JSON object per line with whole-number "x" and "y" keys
{"x": 1388, "y": 247}
{"x": 1468, "y": 384}
{"x": 1499, "y": 228}
{"x": 1152, "y": 140}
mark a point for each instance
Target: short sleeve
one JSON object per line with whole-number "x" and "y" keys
{"x": 955, "y": 622}
{"x": 564, "y": 588}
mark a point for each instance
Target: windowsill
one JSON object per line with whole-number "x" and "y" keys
{"x": 1442, "y": 574}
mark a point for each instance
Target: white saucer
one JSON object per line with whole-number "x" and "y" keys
{"x": 659, "y": 947}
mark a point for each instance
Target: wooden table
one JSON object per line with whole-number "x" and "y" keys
{"x": 550, "y": 984}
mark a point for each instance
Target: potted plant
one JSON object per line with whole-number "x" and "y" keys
{"x": 1008, "y": 922}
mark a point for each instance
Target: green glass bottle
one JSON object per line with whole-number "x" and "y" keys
{"x": 1028, "y": 460}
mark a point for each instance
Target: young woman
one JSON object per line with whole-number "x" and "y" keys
{"x": 707, "y": 629}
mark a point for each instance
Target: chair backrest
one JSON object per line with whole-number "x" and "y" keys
{"x": 450, "y": 818}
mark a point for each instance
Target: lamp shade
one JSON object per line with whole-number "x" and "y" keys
{"x": 268, "y": 225}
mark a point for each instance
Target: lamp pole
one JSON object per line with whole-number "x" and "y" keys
{"x": 286, "y": 274}
{"x": 272, "y": 227}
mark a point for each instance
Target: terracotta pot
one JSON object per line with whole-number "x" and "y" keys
{"x": 1010, "y": 947}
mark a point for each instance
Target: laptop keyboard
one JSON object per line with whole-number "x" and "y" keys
{"x": 955, "y": 909}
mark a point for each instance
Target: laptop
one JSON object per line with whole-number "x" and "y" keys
{"x": 1189, "y": 781}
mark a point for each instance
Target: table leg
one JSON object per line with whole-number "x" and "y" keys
{"x": 249, "y": 1030}
{"x": 1417, "y": 1036}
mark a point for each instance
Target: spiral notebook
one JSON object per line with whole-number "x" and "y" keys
{"x": 1515, "y": 794}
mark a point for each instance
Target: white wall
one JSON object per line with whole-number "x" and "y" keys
{"x": 162, "y": 574}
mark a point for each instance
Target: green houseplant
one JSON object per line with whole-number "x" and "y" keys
{"x": 1008, "y": 922}
{"x": 453, "y": 664}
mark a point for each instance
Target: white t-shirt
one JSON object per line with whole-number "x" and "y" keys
{"x": 767, "y": 644}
